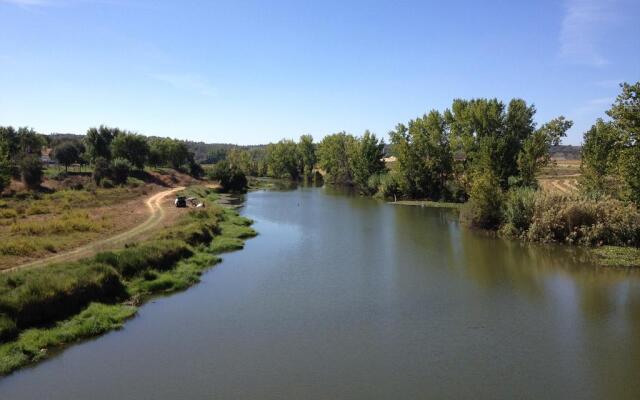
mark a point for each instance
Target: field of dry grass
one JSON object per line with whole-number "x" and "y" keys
{"x": 561, "y": 176}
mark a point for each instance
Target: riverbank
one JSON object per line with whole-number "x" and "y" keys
{"x": 44, "y": 309}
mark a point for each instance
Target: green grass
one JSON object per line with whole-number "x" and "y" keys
{"x": 614, "y": 256}
{"x": 42, "y": 309}
{"x": 35, "y": 344}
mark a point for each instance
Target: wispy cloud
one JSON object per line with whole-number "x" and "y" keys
{"x": 188, "y": 82}
{"x": 583, "y": 27}
{"x": 27, "y": 3}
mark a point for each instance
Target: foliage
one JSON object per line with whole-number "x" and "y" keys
{"x": 98, "y": 142}
{"x": 365, "y": 161}
{"x": 600, "y": 155}
{"x": 307, "y": 154}
{"x": 131, "y": 147}
{"x": 66, "y": 153}
{"x": 484, "y": 209}
{"x": 333, "y": 157}
{"x": 31, "y": 171}
{"x": 585, "y": 221}
{"x": 231, "y": 178}
{"x": 424, "y": 156}
{"x": 101, "y": 170}
{"x": 283, "y": 159}
{"x": 519, "y": 208}
{"x": 120, "y": 169}
{"x": 5, "y": 173}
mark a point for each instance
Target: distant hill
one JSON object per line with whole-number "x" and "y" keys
{"x": 565, "y": 152}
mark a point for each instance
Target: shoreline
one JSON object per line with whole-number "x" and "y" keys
{"x": 198, "y": 241}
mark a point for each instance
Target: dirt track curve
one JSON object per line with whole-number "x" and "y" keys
{"x": 156, "y": 215}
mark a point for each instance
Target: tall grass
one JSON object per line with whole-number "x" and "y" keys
{"x": 34, "y": 303}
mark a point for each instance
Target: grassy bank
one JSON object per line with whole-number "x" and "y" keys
{"x": 46, "y": 308}
{"x": 427, "y": 203}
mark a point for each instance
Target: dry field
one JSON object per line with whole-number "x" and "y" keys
{"x": 561, "y": 176}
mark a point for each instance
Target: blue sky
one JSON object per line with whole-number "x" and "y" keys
{"x": 256, "y": 71}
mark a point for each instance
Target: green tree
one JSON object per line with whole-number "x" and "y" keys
{"x": 333, "y": 157}
{"x": 29, "y": 142}
{"x": 5, "y": 174}
{"x": 600, "y": 156}
{"x": 120, "y": 169}
{"x": 283, "y": 159}
{"x": 625, "y": 113}
{"x": 231, "y": 178}
{"x": 365, "y": 160}
{"x": 98, "y": 142}
{"x": 131, "y": 147}
{"x": 66, "y": 153}
{"x": 31, "y": 171}
{"x": 307, "y": 153}
{"x": 535, "y": 150}
{"x": 424, "y": 155}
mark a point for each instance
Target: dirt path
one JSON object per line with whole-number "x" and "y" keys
{"x": 156, "y": 215}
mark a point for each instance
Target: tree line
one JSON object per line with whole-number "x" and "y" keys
{"x": 112, "y": 152}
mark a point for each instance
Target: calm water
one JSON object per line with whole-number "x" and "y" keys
{"x": 343, "y": 297}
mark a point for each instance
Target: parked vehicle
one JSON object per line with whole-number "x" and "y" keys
{"x": 181, "y": 201}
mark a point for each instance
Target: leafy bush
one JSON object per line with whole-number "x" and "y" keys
{"x": 484, "y": 209}
{"x": 8, "y": 328}
{"x": 390, "y": 185}
{"x": 120, "y": 169}
{"x": 231, "y": 178}
{"x": 31, "y": 171}
{"x": 584, "y": 221}
{"x": 519, "y": 208}
{"x": 101, "y": 170}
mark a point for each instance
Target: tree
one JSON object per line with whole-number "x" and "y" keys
{"x": 29, "y": 142}
{"x": 484, "y": 209}
{"x": 365, "y": 159}
{"x": 31, "y": 171}
{"x": 535, "y": 150}
{"x": 8, "y": 142}
{"x": 131, "y": 147}
{"x": 625, "y": 113}
{"x": 98, "y": 142}
{"x": 231, "y": 178}
{"x": 307, "y": 153}
{"x": 333, "y": 157}
{"x": 600, "y": 155}
{"x": 5, "y": 174}
{"x": 66, "y": 154}
{"x": 240, "y": 159}
{"x": 283, "y": 159}
{"x": 120, "y": 168}
{"x": 424, "y": 155}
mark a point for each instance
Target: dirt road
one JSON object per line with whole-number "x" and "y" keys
{"x": 156, "y": 216}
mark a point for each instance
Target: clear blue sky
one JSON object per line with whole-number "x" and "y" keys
{"x": 256, "y": 71}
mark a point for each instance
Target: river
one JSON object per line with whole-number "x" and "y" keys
{"x": 344, "y": 297}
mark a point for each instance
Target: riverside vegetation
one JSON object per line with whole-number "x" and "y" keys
{"x": 46, "y": 308}
{"x": 488, "y": 156}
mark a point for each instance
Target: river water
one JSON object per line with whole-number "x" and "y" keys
{"x": 344, "y": 297}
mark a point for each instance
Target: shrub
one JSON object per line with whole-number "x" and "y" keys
{"x": 101, "y": 170}
{"x": 390, "y": 185}
{"x": 107, "y": 183}
{"x": 120, "y": 169}
{"x": 484, "y": 209}
{"x": 231, "y": 178}
{"x": 31, "y": 171}
{"x": 584, "y": 221}
{"x": 519, "y": 208}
